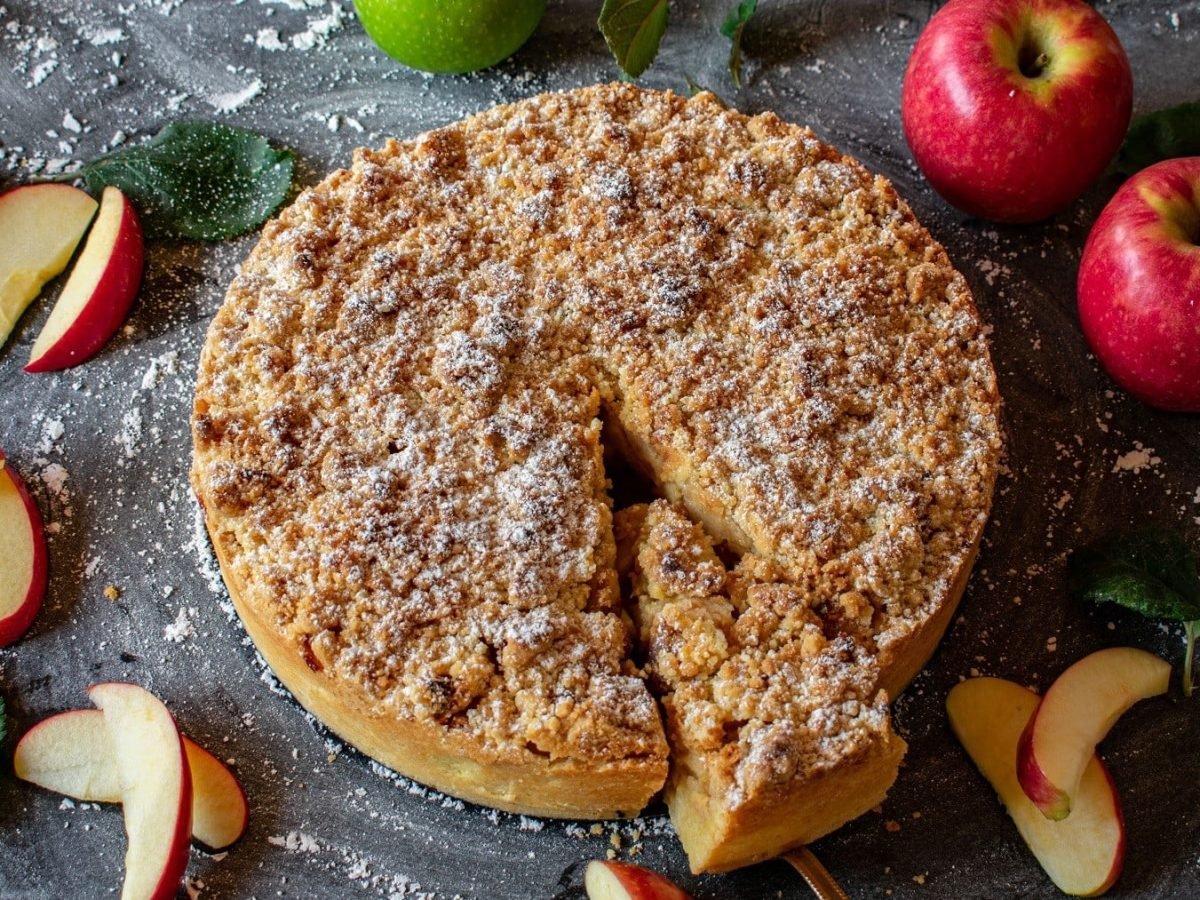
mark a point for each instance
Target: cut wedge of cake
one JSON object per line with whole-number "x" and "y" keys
{"x": 401, "y": 415}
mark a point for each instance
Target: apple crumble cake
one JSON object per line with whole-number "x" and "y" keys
{"x": 400, "y": 426}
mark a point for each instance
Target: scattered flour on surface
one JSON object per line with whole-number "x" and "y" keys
{"x": 181, "y": 629}
{"x": 232, "y": 101}
{"x": 131, "y": 432}
{"x": 102, "y": 37}
{"x": 295, "y": 842}
{"x": 165, "y": 364}
{"x": 206, "y": 561}
{"x": 1137, "y": 459}
{"x": 52, "y": 430}
{"x": 268, "y": 39}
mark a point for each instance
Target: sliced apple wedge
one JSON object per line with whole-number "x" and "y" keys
{"x": 1083, "y": 854}
{"x": 220, "y": 812}
{"x": 22, "y": 556}
{"x": 156, "y": 789}
{"x": 606, "y": 879}
{"x": 1075, "y": 714}
{"x": 40, "y": 224}
{"x": 71, "y": 754}
{"x": 101, "y": 287}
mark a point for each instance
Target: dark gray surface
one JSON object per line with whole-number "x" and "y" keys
{"x": 125, "y": 516}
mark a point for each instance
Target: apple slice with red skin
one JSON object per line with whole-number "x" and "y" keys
{"x": 23, "y": 563}
{"x": 1013, "y": 108}
{"x": 41, "y": 225}
{"x": 220, "y": 812}
{"x": 99, "y": 291}
{"x": 71, "y": 753}
{"x": 1075, "y": 714}
{"x": 1083, "y": 854}
{"x": 155, "y": 785}
{"x": 1139, "y": 285}
{"x": 608, "y": 879}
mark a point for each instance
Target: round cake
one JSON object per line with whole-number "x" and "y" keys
{"x": 409, "y": 406}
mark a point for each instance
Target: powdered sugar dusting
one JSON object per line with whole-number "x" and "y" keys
{"x": 1136, "y": 460}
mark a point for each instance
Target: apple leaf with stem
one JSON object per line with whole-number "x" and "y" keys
{"x": 196, "y": 180}
{"x": 1160, "y": 135}
{"x": 633, "y": 30}
{"x": 1153, "y": 572}
{"x": 732, "y": 28}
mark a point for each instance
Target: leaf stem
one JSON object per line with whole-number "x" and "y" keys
{"x": 1190, "y": 629}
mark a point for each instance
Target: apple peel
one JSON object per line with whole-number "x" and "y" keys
{"x": 1075, "y": 714}
{"x": 72, "y": 754}
{"x": 1083, "y": 854}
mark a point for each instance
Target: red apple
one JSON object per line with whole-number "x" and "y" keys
{"x": 156, "y": 789}
{"x": 1139, "y": 285}
{"x": 1012, "y": 108}
{"x": 1076, "y": 713}
{"x": 22, "y": 556}
{"x": 612, "y": 880}
{"x": 1083, "y": 854}
{"x": 41, "y": 224}
{"x": 99, "y": 291}
{"x": 72, "y": 754}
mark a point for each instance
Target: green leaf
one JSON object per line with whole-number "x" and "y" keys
{"x": 1152, "y": 572}
{"x": 197, "y": 180}
{"x": 633, "y": 29}
{"x": 732, "y": 28}
{"x": 1160, "y": 135}
{"x": 1189, "y": 629}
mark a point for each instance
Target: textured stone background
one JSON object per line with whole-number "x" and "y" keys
{"x": 325, "y": 823}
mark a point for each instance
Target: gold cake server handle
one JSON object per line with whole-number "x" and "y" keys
{"x": 822, "y": 883}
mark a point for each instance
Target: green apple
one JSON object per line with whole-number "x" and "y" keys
{"x": 450, "y": 35}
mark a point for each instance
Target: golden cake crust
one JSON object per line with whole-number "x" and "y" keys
{"x": 398, "y": 445}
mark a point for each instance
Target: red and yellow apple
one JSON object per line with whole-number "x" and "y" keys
{"x": 613, "y": 880}
{"x": 40, "y": 224}
{"x": 71, "y": 754}
{"x": 1139, "y": 285}
{"x": 155, "y": 785}
{"x": 1013, "y": 108}
{"x": 1083, "y": 854}
{"x": 22, "y": 556}
{"x": 1076, "y": 712}
{"x": 99, "y": 291}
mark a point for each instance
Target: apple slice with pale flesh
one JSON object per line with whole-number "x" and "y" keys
{"x": 71, "y": 754}
{"x": 156, "y": 789}
{"x": 1075, "y": 714}
{"x": 40, "y": 225}
{"x": 97, "y": 296}
{"x": 1082, "y": 854}
{"x": 22, "y": 556}
{"x": 612, "y": 880}
{"x": 220, "y": 812}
